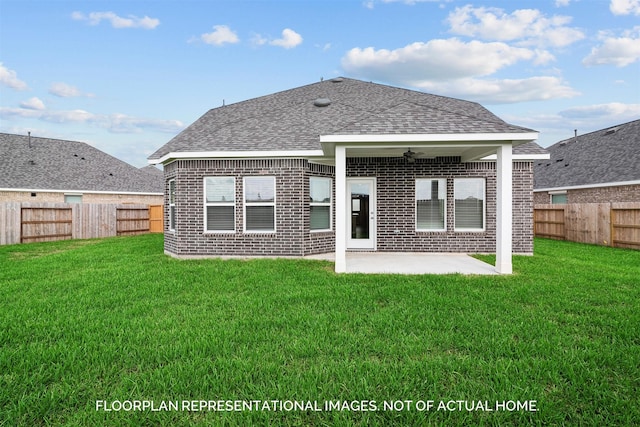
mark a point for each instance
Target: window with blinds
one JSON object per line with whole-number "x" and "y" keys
{"x": 320, "y": 203}
{"x": 220, "y": 203}
{"x": 469, "y": 211}
{"x": 260, "y": 203}
{"x": 431, "y": 202}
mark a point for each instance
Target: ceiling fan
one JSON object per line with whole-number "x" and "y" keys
{"x": 410, "y": 155}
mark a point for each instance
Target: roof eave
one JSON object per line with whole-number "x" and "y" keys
{"x": 514, "y": 137}
{"x": 585, "y": 186}
{"x": 265, "y": 154}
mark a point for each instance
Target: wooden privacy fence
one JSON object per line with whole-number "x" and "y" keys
{"x": 42, "y": 222}
{"x": 610, "y": 224}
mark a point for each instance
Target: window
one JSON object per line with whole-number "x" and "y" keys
{"x": 73, "y": 198}
{"x": 220, "y": 204}
{"x": 320, "y": 203}
{"x": 559, "y": 198}
{"x": 431, "y": 202}
{"x": 260, "y": 203}
{"x": 172, "y": 205}
{"x": 469, "y": 203}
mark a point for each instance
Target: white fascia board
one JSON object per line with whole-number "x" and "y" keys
{"x": 46, "y": 190}
{"x": 191, "y": 155}
{"x": 517, "y": 157}
{"x": 431, "y": 137}
{"x": 582, "y": 187}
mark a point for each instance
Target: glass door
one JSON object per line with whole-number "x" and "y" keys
{"x": 361, "y": 221}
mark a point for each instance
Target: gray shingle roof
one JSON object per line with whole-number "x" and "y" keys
{"x": 289, "y": 120}
{"x": 604, "y": 156}
{"x": 53, "y": 164}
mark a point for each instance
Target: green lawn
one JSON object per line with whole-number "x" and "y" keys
{"x": 114, "y": 323}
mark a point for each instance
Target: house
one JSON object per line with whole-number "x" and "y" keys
{"x": 52, "y": 170}
{"x": 345, "y": 165}
{"x": 597, "y": 167}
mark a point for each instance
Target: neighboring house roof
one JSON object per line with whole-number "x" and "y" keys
{"x": 610, "y": 155}
{"x": 154, "y": 171}
{"x": 32, "y": 163}
{"x": 295, "y": 119}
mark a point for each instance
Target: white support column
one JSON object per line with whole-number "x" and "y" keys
{"x": 504, "y": 200}
{"x": 341, "y": 209}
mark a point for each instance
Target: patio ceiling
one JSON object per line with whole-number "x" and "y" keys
{"x": 468, "y": 147}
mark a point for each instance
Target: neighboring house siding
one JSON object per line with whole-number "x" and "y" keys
{"x": 616, "y": 194}
{"x": 58, "y": 197}
{"x": 395, "y": 201}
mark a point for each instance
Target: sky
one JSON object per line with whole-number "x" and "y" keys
{"x": 127, "y": 76}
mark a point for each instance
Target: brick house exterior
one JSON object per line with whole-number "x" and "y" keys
{"x": 597, "y": 167}
{"x": 298, "y": 137}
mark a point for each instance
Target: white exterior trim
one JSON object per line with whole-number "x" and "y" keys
{"x": 431, "y": 137}
{"x": 520, "y": 157}
{"x": 585, "y": 186}
{"x": 341, "y": 209}
{"x": 504, "y": 214}
{"x": 44, "y": 190}
{"x": 203, "y": 155}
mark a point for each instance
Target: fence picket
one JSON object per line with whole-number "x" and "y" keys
{"x": 609, "y": 224}
{"x": 40, "y": 222}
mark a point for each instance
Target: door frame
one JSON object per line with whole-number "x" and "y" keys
{"x": 363, "y": 244}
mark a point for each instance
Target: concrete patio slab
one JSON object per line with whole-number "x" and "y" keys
{"x": 412, "y": 263}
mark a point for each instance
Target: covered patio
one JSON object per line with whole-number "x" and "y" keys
{"x": 411, "y": 263}
{"x": 469, "y": 147}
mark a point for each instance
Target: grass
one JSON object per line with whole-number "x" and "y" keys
{"x": 116, "y": 321}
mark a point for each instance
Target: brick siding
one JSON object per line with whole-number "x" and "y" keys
{"x": 395, "y": 203}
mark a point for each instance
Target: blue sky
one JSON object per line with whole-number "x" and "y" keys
{"x": 126, "y": 76}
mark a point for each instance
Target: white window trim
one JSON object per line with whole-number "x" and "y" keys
{"x": 245, "y": 203}
{"x": 204, "y": 198}
{"x": 330, "y": 204}
{"x": 73, "y": 195}
{"x": 484, "y": 206}
{"x": 172, "y": 205}
{"x": 428, "y": 230}
{"x": 556, "y": 193}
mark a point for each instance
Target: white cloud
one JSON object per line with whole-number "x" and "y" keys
{"x": 525, "y": 26}
{"x": 116, "y": 123}
{"x": 622, "y": 112}
{"x": 10, "y": 79}
{"x": 33, "y": 104}
{"x": 502, "y": 91}
{"x": 434, "y": 60}
{"x": 625, "y": 7}
{"x": 562, "y": 3}
{"x": 221, "y": 35}
{"x": 454, "y": 68}
{"x": 618, "y": 51}
{"x": 369, "y": 4}
{"x": 64, "y": 90}
{"x": 94, "y": 18}
{"x": 289, "y": 39}
{"x": 121, "y": 123}
{"x": 258, "y": 40}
